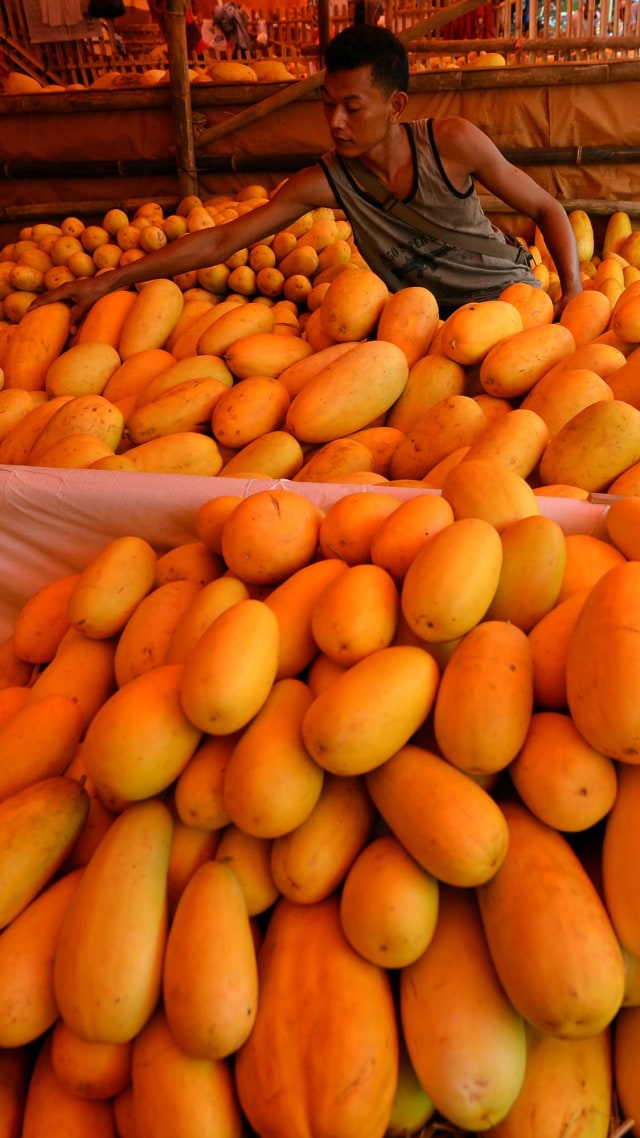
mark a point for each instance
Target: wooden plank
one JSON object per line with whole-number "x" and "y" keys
{"x": 304, "y": 86}
{"x": 181, "y": 97}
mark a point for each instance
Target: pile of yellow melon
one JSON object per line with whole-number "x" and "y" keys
{"x": 325, "y": 823}
{"x": 291, "y": 360}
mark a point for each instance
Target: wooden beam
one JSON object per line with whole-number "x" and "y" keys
{"x": 304, "y": 86}
{"x": 176, "y": 32}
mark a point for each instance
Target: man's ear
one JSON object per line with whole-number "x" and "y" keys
{"x": 398, "y": 101}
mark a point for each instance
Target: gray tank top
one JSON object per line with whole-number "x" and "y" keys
{"x": 403, "y": 257}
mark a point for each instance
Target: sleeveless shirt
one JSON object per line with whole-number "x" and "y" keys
{"x": 403, "y": 257}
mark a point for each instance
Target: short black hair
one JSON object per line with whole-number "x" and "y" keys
{"x": 367, "y": 45}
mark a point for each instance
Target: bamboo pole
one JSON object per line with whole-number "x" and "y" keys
{"x": 17, "y": 169}
{"x": 324, "y": 24}
{"x": 305, "y": 86}
{"x": 176, "y": 31}
{"x": 22, "y": 214}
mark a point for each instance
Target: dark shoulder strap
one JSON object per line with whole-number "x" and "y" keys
{"x": 391, "y": 204}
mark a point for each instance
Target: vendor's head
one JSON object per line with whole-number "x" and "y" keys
{"x": 365, "y": 86}
{"x": 367, "y": 45}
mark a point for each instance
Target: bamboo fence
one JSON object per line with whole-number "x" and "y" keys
{"x": 134, "y": 44}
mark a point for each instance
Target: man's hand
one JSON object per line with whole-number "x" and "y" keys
{"x": 561, "y": 303}
{"x": 82, "y": 292}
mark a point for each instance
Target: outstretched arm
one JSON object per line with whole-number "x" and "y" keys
{"x": 468, "y": 152}
{"x": 305, "y": 190}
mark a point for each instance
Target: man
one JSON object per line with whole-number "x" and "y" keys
{"x": 430, "y": 164}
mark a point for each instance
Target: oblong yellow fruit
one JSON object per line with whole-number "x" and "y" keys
{"x": 557, "y": 397}
{"x": 595, "y": 447}
{"x": 234, "y": 324}
{"x": 89, "y": 1070}
{"x": 484, "y": 700}
{"x": 514, "y": 365}
{"x": 349, "y": 393}
{"x": 586, "y": 315}
{"x": 43, "y": 620}
{"x": 181, "y": 452}
{"x": 15, "y": 404}
{"x": 111, "y": 586}
{"x": 84, "y": 369}
{"x": 38, "y": 340}
{"x": 265, "y": 353}
{"x": 48, "y": 1097}
{"x": 356, "y": 614}
{"x": 38, "y": 741}
{"x": 206, "y": 605}
{"x": 275, "y": 455}
{"x": 249, "y": 858}
{"x": 135, "y": 373}
{"x": 108, "y": 961}
{"x": 626, "y": 1043}
{"x": 484, "y": 488}
{"x": 251, "y": 408}
{"x": 178, "y": 371}
{"x": 198, "y": 792}
{"x": 562, "y": 779}
{"x": 567, "y": 1087}
{"x": 28, "y": 1006}
{"x": 466, "y": 1042}
{"x": 622, "y": 523}
{"x": 103, "y": 322}
{"x": 619, "y": 848}
{"x": 141, "y": 739}
{"x": 371, "y": 710}
{"x": 292, "y": 601}
{"x": 398, "y": 538}
{"x": 388, "y": 904}
{"x": 172, "y": 1093}
{"x": 271, "y": 783}
{"x": 348, "y": 1005}
{"x": 444, "y": 818}
{"x": 473, "y": 329}
{"x": 82, "y": 669}
{"x": 75, "y": 452}
{"x": 603, "y": 663}
{"x": 431, "y": 378}
{"x": 78, "y": 414}
{"x": 157, "y": 309}
{"x": 453, "y": 422}
{"x": 38, "y": 828}
{"x": 352, "y": 305}
{"x": 516, "y": 440}
{"x": 543, "y": 897}
{"x": 534, "y": 555}
{"x": 186, "y": 407}
{"x": 310, "y": 863}
{"x": 230, "y": 671}
{"x": 409, "y": 319}
{"x": 433, "y": 604}
{"x": 144, "y": 641}
{"x": 210, "y": 974}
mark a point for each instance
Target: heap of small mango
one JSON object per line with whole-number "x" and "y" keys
{"x": 293, "y": 361}
{"x": 326, "y": 823}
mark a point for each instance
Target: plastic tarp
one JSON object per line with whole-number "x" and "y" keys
{"x": 53, "y": 521}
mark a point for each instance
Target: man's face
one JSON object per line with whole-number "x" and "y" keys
{"x": 357, "y": 111}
